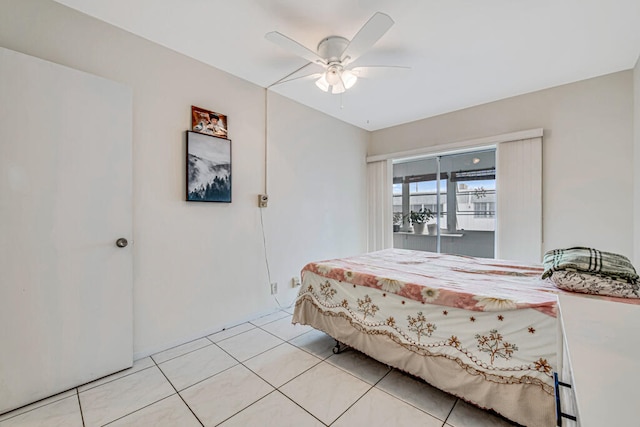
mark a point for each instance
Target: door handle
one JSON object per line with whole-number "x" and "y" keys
{"x": 122, "y": 242}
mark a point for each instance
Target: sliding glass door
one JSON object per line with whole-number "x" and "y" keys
{"x": 446, "y": 204}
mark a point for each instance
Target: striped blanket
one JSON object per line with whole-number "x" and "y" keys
{"x": 589, "y": 260}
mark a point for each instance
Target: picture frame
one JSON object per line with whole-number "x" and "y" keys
{"x": 208, "y": 168}
{"x": 209, "y": 122}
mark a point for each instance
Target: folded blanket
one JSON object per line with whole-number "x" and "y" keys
{"x": 595, "y": 284}
{"x": 589, "y": 260}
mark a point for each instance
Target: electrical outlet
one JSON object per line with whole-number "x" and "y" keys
{"x": 295, "y": 282}
{"x": 274, "y": 288}
{"x": 263, "y": 200}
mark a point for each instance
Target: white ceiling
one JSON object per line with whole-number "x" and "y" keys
{"x": 462, "y": 52}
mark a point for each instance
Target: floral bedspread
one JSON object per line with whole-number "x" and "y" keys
{"x": 468, "y": 283}
{"x": 502, "y": 347}
{"x": 483, "y": 329}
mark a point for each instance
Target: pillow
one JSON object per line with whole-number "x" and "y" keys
{"x": 595, "y": 284}
{"x": 589, "y": 260}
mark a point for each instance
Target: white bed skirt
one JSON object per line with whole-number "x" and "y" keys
{"x": 522, "y": 398}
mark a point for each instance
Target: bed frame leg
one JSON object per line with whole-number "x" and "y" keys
{"x": 338, "y": 347}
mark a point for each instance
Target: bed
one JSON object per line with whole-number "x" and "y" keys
{"x": 484, "y": 330}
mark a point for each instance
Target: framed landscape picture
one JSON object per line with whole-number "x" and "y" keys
{"x": 208, "y": 122}
{"x": 208, "y": 168}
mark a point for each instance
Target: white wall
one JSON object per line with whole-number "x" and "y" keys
{"x": 317, "y": 190}
{"x": 636, "y": 164}
{"x": 587, "y": 154}
{"x": 200, "y": 266}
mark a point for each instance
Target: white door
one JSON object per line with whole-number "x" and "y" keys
{"x": 65, "y": 198}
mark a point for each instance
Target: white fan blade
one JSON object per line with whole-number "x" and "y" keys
{"x": 378, "y": 70}
{"x": 305, "y": 77}
{"x": 293, "y": 47}
{"x": 368, "y": 35}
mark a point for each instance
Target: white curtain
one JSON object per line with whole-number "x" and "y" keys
{"x": 379, "y": 200}
{"x": 519, "y": 200}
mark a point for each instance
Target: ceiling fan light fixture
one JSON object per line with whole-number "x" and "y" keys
{"x": 339, "y": 88}
{"x": 333, "y": 76}
{"x": 334, "y": 53}
{"x": 349, "y": 79}
{"x": 336, "y": 81}
{"x": 322, "y": 83}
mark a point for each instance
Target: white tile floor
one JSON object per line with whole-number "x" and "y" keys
{"x": 267, "y": 372}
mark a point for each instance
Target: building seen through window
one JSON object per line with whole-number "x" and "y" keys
{"x": 464, "y": 202}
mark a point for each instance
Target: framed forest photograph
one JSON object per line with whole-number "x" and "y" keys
{"x": 208, "y": 168}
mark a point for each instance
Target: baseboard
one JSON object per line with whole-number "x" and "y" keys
{"x": 204, "y": 333}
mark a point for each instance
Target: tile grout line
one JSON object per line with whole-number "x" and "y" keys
{"x": 372, "y": 386}
{"x": 210, "y": 376}
{"x": 77, "y": 389}
{"x": 351, "y": 373}
{"x": 207, "y": 337}
{"x": 115, "y": 379}
{"x": 205, "y": 379}
{"x": 391, "y": 369}
{"x": 304, "y": 349}
{"x": 275, "y": 320}
{"x": 180, "y": 345}
{"x": 451, "y": 411}
{"x": 288, "y": 381}
{"x": 271, "y": 333}
{"x": 414, "y": 406}
{"x": 276, "y": 389}
{"x": 360, "y": 398}
{"x": 319, "y": 362}
{"x": 145, "y": 406}
{"x": 137, "y": 410}
{"x": 80, "y": 406}
{"x": 390, "y": 395}
{"x": 268, "y": 323}
{"x": 228, "y": 354}
{"x": 247, "y": 407}
{"x": 178, "y": 393}
{"x": 258, "y": 354}
{"x": 210, "y": 342}
{"x": 237, "y": 364}
{"x": 183, "y": 354}
{"x": 33, "y": 403}
{"x": 230, "y": 336}
{"x": 300, "y": 406}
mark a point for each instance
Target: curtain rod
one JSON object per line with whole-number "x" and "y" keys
{"x": 449, "y": 148}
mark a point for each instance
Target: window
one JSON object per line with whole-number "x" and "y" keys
{"x": 397, "y": 197}
{"x": 464, "y": 202}
{"x": 484, "y": 209}
{"x": 416, "y": 192}
{"x": 476, "y": 202}
{"x": 424, "y": 195}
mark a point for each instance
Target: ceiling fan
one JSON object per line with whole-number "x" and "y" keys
{"x": 335, "y": 54}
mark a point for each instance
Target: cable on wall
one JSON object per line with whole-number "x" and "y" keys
{"x": 266, "y": 145}
{"x": 266, "y": 136}
{"x": 266, "y": 120}
{"x": 266, "y": 262}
